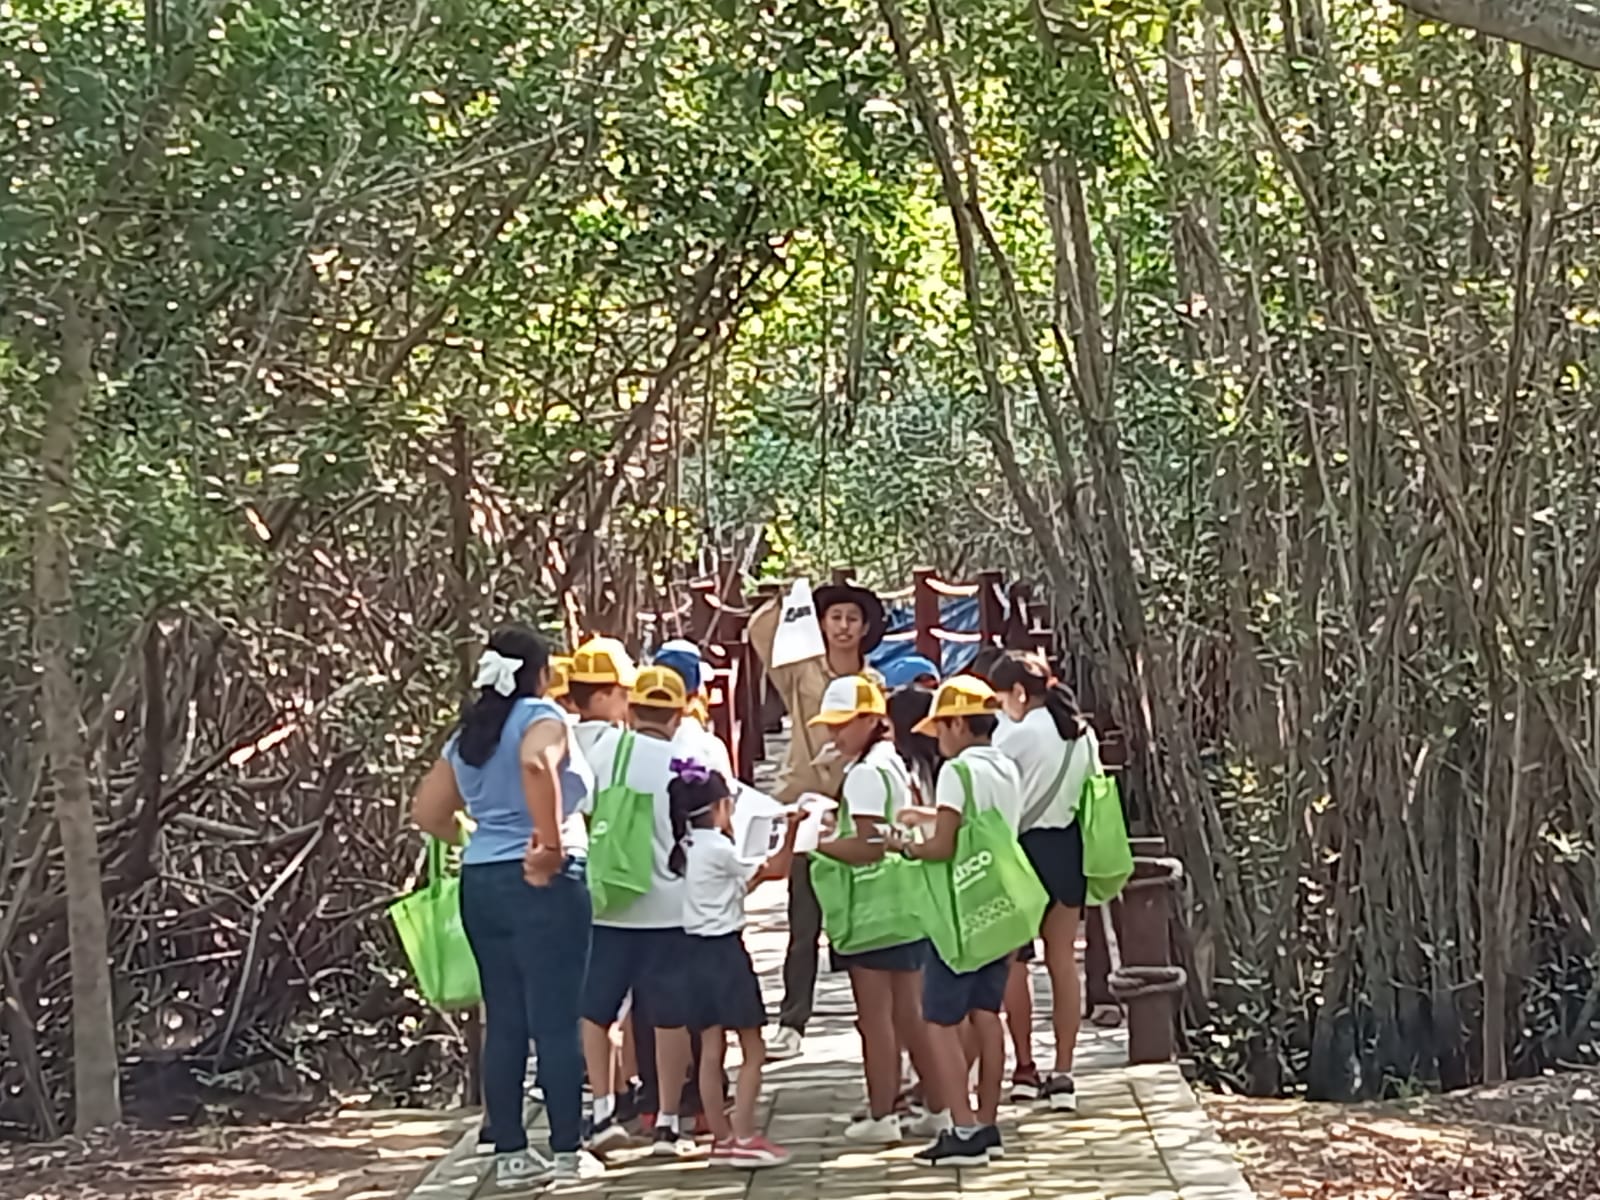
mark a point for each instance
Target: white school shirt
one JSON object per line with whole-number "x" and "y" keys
{"x": 716, "y": 881}
{"x": 649, "y": 770}
{"x": 995, "y": 783}
{"x": 879, "y": 784}
{"x": 1039, "y": 752}
{"x": 695, "y": 741}
{"x": 587, "y": 733}
{"x": 574, "y": 828}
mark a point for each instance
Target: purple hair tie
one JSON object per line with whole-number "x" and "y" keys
{"x": 690, "y": 771}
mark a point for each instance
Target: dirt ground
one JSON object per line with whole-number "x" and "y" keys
{"x": 352, "y": 1156}
{"x": 1529, "y": 1140}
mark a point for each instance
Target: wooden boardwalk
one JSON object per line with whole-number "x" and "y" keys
{"x": 1140, "y": 1134}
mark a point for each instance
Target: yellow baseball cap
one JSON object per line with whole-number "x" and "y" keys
{"x": 658, "y": 687}
{"x": 560, "y": 676}
{"x": 849, "y": 697}
{"x": 602, "y": 660}
{"x": 960, "y": 696}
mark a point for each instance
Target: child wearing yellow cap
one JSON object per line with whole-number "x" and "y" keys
{"x": 560, "y": 686}
{"x": 964, "y": 716}
{"x": 641, "y": 947}
{"x": 887, "y": 981}
{"x": 598, "y": 680}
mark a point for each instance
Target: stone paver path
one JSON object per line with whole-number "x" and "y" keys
{"x": 1139, "y": 1134}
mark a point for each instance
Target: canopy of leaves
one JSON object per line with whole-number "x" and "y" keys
{"x": 405, "y": 320}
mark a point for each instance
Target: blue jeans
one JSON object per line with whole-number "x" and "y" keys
{"x": 532, "y": 947}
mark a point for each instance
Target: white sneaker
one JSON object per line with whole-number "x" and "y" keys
{"x": 884, "y": 1131}
{"x": 784, "y": 1043}
{"x": 928, "y": 1124}
{"x": 577, "y": 1165}
{"x": 522, "y": 1168}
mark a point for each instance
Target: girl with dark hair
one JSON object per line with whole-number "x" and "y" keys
{"x": 887, "y": 983}
{"x": 524, "y": 900}
{"x": 920, "y": 752}
{"x": 721, "y": 979}
{"x": 1056, "y": 752}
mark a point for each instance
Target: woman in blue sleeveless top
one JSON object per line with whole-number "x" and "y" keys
{"x": 524, "y": 900}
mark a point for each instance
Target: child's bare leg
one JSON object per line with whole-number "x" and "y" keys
{"x": 880, "y": 1059}
{"x": 1061, "y": 957}
{"x": 629, "y": 1054}
{"x": 989, "y": 1037}
{"x": 597, "y": 1058}
{"x": 912, "y": 1032}
{"x": 1019, "y": 1014}
{"x": 949, "y": 1075}
{"x": 672, "y": 1068}
{"x": 712, "y": 1047}
{"x": 748, "y": 1092}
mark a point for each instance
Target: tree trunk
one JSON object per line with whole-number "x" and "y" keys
{"x": 97, "y": 1092}
{"x": 1560, "y": 27}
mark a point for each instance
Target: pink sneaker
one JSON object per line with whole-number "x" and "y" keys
{"x": 756, "y": 1153}
{"x": 722, "y": 1152}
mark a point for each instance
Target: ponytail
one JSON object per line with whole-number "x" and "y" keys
{"x": 921, "y": 752}
{"x": 484, "y": 716}
{"x": 1062, "y": 706}
{"x": 1018, "y": 668}
{"x": 694, "y": 791}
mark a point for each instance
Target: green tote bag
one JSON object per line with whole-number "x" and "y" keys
{"x": 986, "y": 901}
{"x": 429, "y": 924}
{"x": 1107, "y": 857}
{"x": 867, "y": 907}
{"x": 621, "y": 838}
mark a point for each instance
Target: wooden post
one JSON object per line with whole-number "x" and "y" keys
{"x": 702, "y": 613}
{"x": 720, "y": 689}
{"x": 752, "y": 686}
{"x": 843, "y": 575}
{"x": 991, "y": 607}
{"x": 925, "y": 608}
{"x": 1145, "y": 932}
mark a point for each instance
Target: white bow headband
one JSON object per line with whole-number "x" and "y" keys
{"x": 497, "y": 671}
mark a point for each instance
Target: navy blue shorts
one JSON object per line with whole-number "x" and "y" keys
{"x": 909, "y": 957}
{"x": 949, "y": 998}
{"x": 650, "y": 963}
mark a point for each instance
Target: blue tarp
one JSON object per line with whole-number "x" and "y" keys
{"x": 960, "y": 616}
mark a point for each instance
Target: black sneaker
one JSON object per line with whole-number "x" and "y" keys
{"x": 606, "y": 1135}
{"x": 628, "y": 1106}
{"x": 1061, "y": 1093}
{"x": 953, "y": 1148}
{"x": 989, "y": 1138}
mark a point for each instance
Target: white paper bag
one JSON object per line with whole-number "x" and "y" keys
{"x": 799, "y": 634}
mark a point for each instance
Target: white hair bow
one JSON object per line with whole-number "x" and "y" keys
{"x": 497, "y": 671}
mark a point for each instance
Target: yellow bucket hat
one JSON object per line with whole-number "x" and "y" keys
{"x": 602, "y": 660}
{"x": 849, "y": 697}
{"x": 960, "y": 696}
{"x": 658, "y": 687}
{"x": 560, "y": 676}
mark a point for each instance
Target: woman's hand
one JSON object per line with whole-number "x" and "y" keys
{"x": 541, "y": 864}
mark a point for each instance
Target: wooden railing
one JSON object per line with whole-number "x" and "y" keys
{"x": 716, "y": 617}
